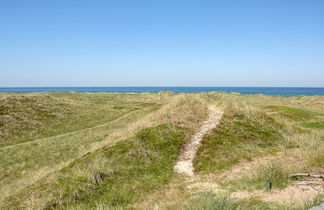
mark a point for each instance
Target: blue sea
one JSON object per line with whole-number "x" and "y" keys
{"x": 279, "y": 91}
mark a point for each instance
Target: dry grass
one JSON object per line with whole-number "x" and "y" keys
{"x": 24, "y": 163}
{"x": 258, "y": 118}
{"x": 183, "y": 110}
{"x": 300, "y": 150}
{"x": 26, "y": 117}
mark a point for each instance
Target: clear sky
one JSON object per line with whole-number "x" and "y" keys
{"x": 162, "y": 43}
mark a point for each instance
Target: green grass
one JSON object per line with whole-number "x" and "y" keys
{"x": 129, "y": 170}
{"x": 88, "y": 119}
{"x": 266, "y": 177}
{"x": 316, "y": 125}
{"x": 295, "y": 113}
{"x": 44, "y": 138}
{"x": 210, "y": 201}
{"x": 22, "y": 163}
{"x": 26, "y": 117}
{"x": 239, "y": 136}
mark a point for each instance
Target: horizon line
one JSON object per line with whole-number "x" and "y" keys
{"x": 160, "y": 87}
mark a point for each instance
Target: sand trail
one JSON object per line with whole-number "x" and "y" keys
{"x": 184, "y": 164}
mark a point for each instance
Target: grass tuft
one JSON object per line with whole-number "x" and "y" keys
{"x": 210, "y": 201}
{"x": 266, "y": 177}
{"x": 316, "y": 157}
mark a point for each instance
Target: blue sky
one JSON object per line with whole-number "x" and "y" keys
{"x": 162, "y": 43}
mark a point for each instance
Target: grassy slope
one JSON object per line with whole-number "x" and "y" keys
{"x": 239, "y": 136}
{"x": 259, "y": 125}
{"x": 251, "y": 128}
{"x": 256, "y": 124}
{"x": 252, "y": 125}
{"x": 128, "y": 171}
{"x": 24, "y": 163}
{"x": 26, "y": 117}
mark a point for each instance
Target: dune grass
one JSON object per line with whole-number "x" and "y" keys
{"x": 112, "y": 176}
{"x": 95, "y": 116}
{"x": 315, "y": 157}
{"x": 248, "y": 131}
{"x": 265, "y": 177}
{"x": 296, "y": 113}
{"x": 76, "y": 160}
{"x": 26, "y": 117}
{"x": 24, "y": 163}
{"x": 239, "y": 136}
{"x": 211, "y": 201}
{"x": 315, "y": 125}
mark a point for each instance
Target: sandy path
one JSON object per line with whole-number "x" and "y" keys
{"x": 184, "y": 164}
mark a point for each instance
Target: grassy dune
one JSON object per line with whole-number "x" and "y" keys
{"x": 239, "y": 136}
{"x": 35, "y": 116}
{"x": 81, "y": 151}
{"x": 112, "y": 174}
{"x": 101, "y": 115}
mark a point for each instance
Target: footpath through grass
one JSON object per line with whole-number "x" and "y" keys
{"x": 26, "y": 117}
{"x": 115, "y": 176}
{"x": 238, "y": 136}
{"x": 24, "y": 163}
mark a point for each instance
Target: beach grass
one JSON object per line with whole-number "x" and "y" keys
{"x": 110, "y": 150}
{"x": 239, "y": 136}
{"x": 112, "y": 174}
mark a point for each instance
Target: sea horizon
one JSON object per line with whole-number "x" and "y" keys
{"x": 273, "y": 91}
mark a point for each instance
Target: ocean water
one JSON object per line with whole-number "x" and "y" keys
{"x": 279, "y": 91}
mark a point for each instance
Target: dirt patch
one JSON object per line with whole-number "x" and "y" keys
{"x": 296, "y": 193}
{"x": 185, "y": 161}
{"x": 290, "y": 159}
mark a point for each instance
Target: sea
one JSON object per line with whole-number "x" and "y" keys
{"x": 273, "y": 91}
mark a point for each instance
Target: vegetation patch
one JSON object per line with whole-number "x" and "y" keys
{"x": 112, "y": 176}
{"x": 210, "y": 201}
{"x": 26, "y": 117}
{"x": 316, "y": 125}
{"x": 266, "y": 177}
{"x": 295, "y": 113}
{"x": 316, "y": 157}
{"x": 238, "y": 136}
{"x": 22, "y": 163}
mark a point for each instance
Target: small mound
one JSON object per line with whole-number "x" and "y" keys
{"x": 110, "y": 176}
{"x": 239, "y": 136}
